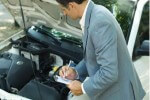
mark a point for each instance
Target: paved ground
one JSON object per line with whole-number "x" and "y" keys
{"x": 142, "y": 68}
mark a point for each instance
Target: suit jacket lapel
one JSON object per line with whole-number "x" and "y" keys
{"x": 87, "y": 23}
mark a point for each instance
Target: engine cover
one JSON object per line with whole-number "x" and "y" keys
{"x": 18, "y": 70}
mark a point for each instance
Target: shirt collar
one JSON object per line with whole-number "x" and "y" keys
{"x": 82, "y": 21}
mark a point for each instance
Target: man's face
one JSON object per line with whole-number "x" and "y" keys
{"x": 70, "y": 11}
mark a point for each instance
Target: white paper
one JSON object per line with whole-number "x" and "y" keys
{"x": 8, "y": 96}
{"x": 62, "y": 80}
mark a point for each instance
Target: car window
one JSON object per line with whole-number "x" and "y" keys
{"x": 143, "y": 32}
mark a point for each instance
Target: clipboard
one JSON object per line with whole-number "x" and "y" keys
{"x": 61, "y": 80}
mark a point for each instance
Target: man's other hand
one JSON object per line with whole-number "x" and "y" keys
{"x": 68, "y": 72}
{"x": 75, "y": 87}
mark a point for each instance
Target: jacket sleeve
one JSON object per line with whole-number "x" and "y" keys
{"x": 105, "y": 45}
{"x": 81, "y": 70}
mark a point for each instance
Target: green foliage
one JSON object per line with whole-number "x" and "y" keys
{"x": 122, "y": 10}
{"x": 107, "y": 3}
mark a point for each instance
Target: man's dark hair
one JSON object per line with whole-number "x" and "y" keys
{"x": 66, "y": 2}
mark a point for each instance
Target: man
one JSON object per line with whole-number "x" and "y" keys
{"x": 106, "y": 59}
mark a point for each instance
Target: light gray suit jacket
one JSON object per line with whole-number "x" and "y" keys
{"x": 112, "y": 75}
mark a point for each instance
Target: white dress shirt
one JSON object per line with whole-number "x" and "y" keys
{"x": 82, "y": 20}
{"x": 82, "y": 23}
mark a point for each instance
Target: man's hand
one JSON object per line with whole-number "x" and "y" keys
{"x": 68, "y": 72}
{"x": 75, "y": 87}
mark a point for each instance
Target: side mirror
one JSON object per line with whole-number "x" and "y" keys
{"x": 144, "y": 50}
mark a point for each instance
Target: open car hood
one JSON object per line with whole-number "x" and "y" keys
{"x": 43, "y": 12}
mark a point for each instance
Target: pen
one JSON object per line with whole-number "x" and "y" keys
{"x": 67, "y": 68}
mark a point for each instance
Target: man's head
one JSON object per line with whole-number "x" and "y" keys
{"x": 71, "y": 8}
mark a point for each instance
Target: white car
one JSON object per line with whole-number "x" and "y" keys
{"x": 133, "y": 16}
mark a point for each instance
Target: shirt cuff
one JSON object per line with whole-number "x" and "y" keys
{"x": 83, "y": 89}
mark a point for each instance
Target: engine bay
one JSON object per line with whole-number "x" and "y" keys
{"x": 34, "y": 60}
